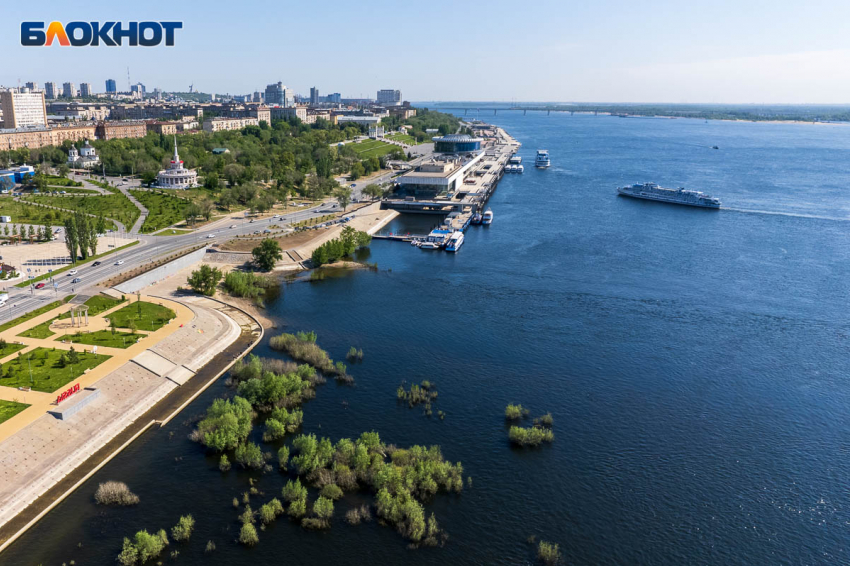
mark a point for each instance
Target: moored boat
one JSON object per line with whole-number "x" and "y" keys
{"x": 487, "y": 219}
{"x": 455, "y": 242}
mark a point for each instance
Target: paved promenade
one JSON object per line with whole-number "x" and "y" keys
{"x": 37, "y": 450}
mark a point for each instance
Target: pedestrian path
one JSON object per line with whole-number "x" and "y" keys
{"x": 141, "y": 220}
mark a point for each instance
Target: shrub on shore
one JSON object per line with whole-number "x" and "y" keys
{"x": 548, "y": 553}
{"x": 143, "y": 547}
{"x": 515, "y": 412}
{"x": 248, "y": 285}
{"x": 183, "y": 529}
{"x": 530, "y": 436}
{"x": 115, "y": 493}
{"x": 333, "y": 250}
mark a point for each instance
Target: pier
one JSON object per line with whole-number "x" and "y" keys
{"x": 469, "y": 179}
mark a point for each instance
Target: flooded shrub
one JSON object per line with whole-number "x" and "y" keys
{"x": 143, "y": 547}
{"x": 225, "y": 425}
{"x": 515, "y": 412}
{"x": 354, "y": 355}
{"x": 266, "y": 514}
{"x": 249, "y": 455}
{"x": 422, "y": 393}
{"x": 283, "y": 457}
{"x": 224, "y": 463}
{"x": 358, "y": 515}
{"x": 323, "y": 508}
{"x": 530, "y": 436}
{"x": 274, "y": 430}
{"x": 115, "y": 493}
{"x": 247, "y": 516}
{"x": 210, "y": 547}
{"x": 331, "y": 491}
{"x": 293, "y": 490}
{"x": 548, "y": 553}
{"x": 248, "y": 535}
{"x": 183, "y": 529}
{"x": 297, "y": 508}
{"x": 545, "y": 421}
{"x": 302, "y": 347}
{"x": 272, "y": 390}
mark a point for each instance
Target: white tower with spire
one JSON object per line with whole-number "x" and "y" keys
{"x": 176, "y": 176}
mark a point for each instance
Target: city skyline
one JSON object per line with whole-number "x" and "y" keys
{"x": 611, "y": 51}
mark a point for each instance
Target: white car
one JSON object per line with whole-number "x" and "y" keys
{"x": 119, "y": 262}
{"x": 72, "y": 272}
{"x": 232, "y": 226}
{"x": 211, "y": 236}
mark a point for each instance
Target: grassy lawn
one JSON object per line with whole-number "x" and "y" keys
{"x": 163, "y": 210}
{"x": 25, "y": 213}
{"x": 105, "y": 338}
{"x": 29, "y": 315}
{"x": 153, "y": 316}
{"x": 403, "y": 138}
{"x": 104, "y": 186}
{"x": 75, "y": 190}
{"x": 101, "y": 303}
{"x": 115, "y": 206}
{"x": 39, "y": 331}
{"x": 88, "y": 260}
{"x": 48, "y": 375}
{"x": 7, "y": 348}
{"x": 62, "y": 181}
{"x": 373, "y": 148}
{"x": 173, "y": 232}
{"x": 9, "y": 409}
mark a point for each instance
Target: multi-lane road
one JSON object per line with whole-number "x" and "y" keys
{"x": 146, "y": 251}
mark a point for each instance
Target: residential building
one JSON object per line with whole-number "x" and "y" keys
{"x": 274, "y": 94}
{"x": 165, "y": 128}
{"x": 138, "y": 88}
{"x": 389, "y": 96}
{"x": 111, "y": 86}
{"x": 22, "y": 108}
{"x": 51, "y": 90}
{"x": 258, "y": 96}
{"x": 222, "y": 124}
{"x": 314, "y": 95}
{"x": 176, "y": 176}
{"x": 85, "y": 90}
{"x": 285, "y": 113}
{"x": 334, "y": 98}
{"x": 69, "y": 90}
{"x": 117, "y": 130}
{"x": 73, "y": 132}
{"x": 31, "y": 138}
{"x": 32, "y": 85}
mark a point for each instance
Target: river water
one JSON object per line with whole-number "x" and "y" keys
{"x": 695, "y": 363}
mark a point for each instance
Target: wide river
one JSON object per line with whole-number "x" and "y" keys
{"x": 695, "y": 362}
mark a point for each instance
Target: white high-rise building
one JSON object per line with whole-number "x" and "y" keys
{"x": 22, "y": 109}
{"x": 389, "y": 97}
{"x": 85, "y": 90}
{"x": 69, "y": 90}
{"x": 51, "y": 90}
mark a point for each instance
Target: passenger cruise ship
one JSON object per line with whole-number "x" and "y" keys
{"x": 542, "y": 158}
{"x": 455, "y": 242}
{"x": 651, "y": 191}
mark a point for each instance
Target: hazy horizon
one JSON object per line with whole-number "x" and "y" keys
{"x": 723, "y": 53}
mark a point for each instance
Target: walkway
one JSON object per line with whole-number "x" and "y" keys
{"x": 141, "y": 220}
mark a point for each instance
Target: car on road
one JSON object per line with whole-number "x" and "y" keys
{"x": 232, "y": 226}
{"x": 256, "y": 231}
{"x": 40, "y": 285}
{"x": 62, "y": 192}
{"x": 353, "y": 185}
{"x": 252, "y": 221}
{"x": 267, "y": 231}
{"x": 76, "y": 280}
{"x": 95, "y": 264}
{"x": 210, "y": 235}
{"x": 72, "y": 272}
{"x": 119, "y": 262}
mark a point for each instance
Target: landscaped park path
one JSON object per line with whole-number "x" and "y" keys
{"x": 144, "y": 211}
{"x": 121, "y": 227}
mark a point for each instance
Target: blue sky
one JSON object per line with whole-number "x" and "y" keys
{"x": 607, "y": 50}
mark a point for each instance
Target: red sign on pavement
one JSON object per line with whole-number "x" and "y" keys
{"x": 67, "y": 393}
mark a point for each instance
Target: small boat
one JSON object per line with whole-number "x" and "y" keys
{"x": 455, "y": 242}
{"x": 519, "y": 169}
{"x": 429, "y": 246}
{"x": 487, "y": 219}
{"x": 515, "y": 160}
{"x": 714, "y": 147}
{"x": 542, "y": 159}
{"x": 477, "y": 218}
{"x": 415, "y": 243}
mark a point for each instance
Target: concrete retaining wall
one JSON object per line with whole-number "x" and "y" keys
{"x": 161, "y": 272}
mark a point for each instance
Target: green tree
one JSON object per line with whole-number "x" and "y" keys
{"x": 205, "y": 279}
{"x": 323, "y": 508}
{"x": 357, "y": 171}
{"x": 71, "y": 239}
{"x": 267, "y": 254}
{"x": 183, "y": 529}
{"x": 248, "y": 535}
{"x": 343, "y": 197}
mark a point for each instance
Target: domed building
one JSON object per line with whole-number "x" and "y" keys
{"x": 176, "y": 176}
{"x": 86, "y": 157}
{"x": 457, "y": 143}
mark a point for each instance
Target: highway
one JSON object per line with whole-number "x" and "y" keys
{"x": 147, "y": 250}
